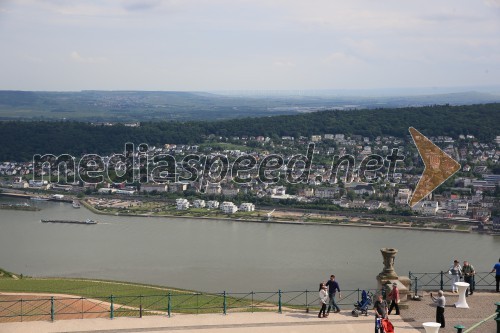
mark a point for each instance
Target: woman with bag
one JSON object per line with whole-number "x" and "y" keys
{"x": 323, "y": 300}
{"x": 394, "y": 297}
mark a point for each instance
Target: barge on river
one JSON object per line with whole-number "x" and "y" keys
{"x": 87, "y": 221}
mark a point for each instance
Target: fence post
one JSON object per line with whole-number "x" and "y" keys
{"x": 358, "y": 294}
{"x": 442, "y": 282}
{"x": 416, "y": 286}
{"x": 224, "y": 304}
{"x": 111, "y": 308}
{"x": 52, "y": 308}
{"x": 279, "y": 301}
{"x": 459, "y": 328}
{"x": 21, "y": 310}
{"x": 497, "y": 319}
{"x": 252, "y": 301}
{"x": 307, "y": 303}
{"x": 169, "y": 304}
{"x": 140, "y": 306}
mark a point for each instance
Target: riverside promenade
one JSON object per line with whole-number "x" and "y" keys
{"x": 266, "y": 322}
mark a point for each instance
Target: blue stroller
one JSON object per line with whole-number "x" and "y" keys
{"x": 361, "y": 307}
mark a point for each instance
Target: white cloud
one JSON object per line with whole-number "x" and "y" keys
{"x": 75, "y": 56}
{"x": 341, "y": 59}
{"x": 492, "y": 3}
{"x": 284, "y": 63}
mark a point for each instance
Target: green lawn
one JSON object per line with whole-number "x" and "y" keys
{"x": 126, "y": 295}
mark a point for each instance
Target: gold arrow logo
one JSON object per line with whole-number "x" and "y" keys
{"x": 439, "y": 166}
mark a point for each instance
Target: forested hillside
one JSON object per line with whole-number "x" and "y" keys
{"x": 20, "y": 140}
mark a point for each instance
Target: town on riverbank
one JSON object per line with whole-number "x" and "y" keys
{"x": 469, "y": 201}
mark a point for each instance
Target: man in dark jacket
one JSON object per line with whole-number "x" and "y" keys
{"x": 333, "y": 287}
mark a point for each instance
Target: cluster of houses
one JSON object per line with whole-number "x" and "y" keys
{"x": 226, "y": 207}
{"x": 469, "y": 197}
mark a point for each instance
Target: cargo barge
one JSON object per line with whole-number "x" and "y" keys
{"x": 87, "y": 221}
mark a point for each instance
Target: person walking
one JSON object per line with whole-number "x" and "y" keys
{"x": 456, "y": 272}
{"x": 469, "y": 272}
{"x": 441, "y": 303}
{"x": 380, "y": 307}
{"x": 394, "y": 297}
{"x": 497, "y": 274}
{"x": 333, "y": 287}
{"x": 323, "y": 300}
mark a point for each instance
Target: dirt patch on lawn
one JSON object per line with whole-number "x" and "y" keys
{"x": 33, "y": 307}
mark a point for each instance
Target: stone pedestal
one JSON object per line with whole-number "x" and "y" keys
{"x": 388, "y": 276}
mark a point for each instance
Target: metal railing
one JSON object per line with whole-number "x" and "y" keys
{"x": 496, "y": 315}
{"x": 52, "y": 308}
{"x": 441, "y": 280}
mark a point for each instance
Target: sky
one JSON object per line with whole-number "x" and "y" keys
{"x": 208, "y": 45}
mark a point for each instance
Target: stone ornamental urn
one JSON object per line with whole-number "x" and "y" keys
{"x": 388, "y": 273}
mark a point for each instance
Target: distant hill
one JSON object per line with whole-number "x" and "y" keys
{"x": 133, "y": 106}
{"x": 21, "y": 139}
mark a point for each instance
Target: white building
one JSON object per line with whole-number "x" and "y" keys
{"x": 230, "y": 192}
{"x": 105, "y": 190}
{"x": 315, "y": 138}
{"x": 199, "y": 203}
{"x": 160, "y": 188}
{"x": 213, "y": 189}
{"x": 403, "y": 196}
{"x": 247, "y": 207}
{"x": 182, "y": 204}
{"x": 228, "y": 207}
{"x": 426, "y": 207}
{"x": 212, "y": 204}
{"x": 325, "y": 192}
{"x": 463, "y": 208}
{"x": 21, "y": 184}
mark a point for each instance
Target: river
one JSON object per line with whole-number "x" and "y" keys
{"x": 212, "y": 256}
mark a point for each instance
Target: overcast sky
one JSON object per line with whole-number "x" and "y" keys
{"x": 248, "y": 45}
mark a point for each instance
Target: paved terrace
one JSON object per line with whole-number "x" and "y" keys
{"x": 481, "y": 306}
{"x": 265, "y": 322}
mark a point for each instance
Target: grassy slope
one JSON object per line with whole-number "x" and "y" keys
{"x": 125, "y": 294}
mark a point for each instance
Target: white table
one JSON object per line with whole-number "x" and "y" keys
{"x": 431, "y": 327}
{"x": 462, "y": 300}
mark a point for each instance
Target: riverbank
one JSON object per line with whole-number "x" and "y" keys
{"x": 139, "y": 208}
{"x": 19, "y": 207}
{"x": 335, "y": 222}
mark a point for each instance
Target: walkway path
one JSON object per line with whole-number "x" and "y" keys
{"x": 211, "y": 323}
{"x": 482, "y": 304}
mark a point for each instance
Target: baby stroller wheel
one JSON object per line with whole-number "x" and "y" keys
{"x": 355, "y": 313}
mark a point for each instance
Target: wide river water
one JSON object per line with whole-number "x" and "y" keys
{"x": 212, "y": 256}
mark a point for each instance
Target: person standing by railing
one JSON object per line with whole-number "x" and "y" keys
{"x": 469, "y": 272}
{"x": 323, "y": 300}
{"x": 497, "y": 274}
{"x": 333, "y": 287}
{"x": 456, "y": 272}
{"x": 441, "y": 303}
{"x": 394, "y": 297}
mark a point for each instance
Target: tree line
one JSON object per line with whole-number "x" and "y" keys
{"x": 22, "y": 139}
